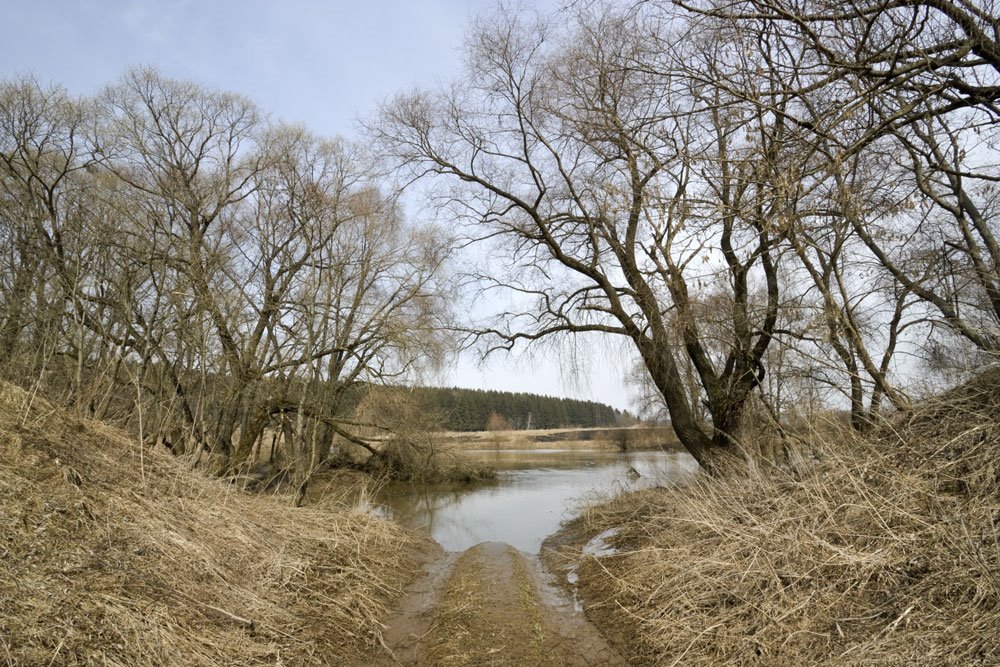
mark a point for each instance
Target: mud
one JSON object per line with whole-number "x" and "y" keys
{"x": 491, "y": 605}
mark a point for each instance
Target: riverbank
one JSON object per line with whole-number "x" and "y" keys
{"x": 881, "y": 550}
{"x": 114, "y": 553}
{"x": 884, "y": 551}
{"x": 464, "y": 457}
{"x": 632, "y": 438}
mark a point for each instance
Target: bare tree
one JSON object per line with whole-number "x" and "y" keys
{"x": 891, "y": 63}
{"x": 861, "y": 314}
{"x": 364, "y": 304}
{"x": 177, "y": 261}
{"x": 626, "y": 192}
{"x": 948, "y": 253}
{"x": 46, "y": 158}
{"x": 889, "y": 82}
{"x": 188, "y": 154}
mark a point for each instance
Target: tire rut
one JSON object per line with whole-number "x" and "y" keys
{"x": 492, "y": 606}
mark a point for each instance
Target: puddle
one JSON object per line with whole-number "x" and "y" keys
{"x": 598, "y": 545}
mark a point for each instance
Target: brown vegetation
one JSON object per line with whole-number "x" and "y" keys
{"x": 407, "y": 460}
{"x": 112, "y": 553}
{"x": 215, "y": 281}
{"x": 404, "y": 447}
{"x": 884, "y": 552}
{"x": 776, "y": 207}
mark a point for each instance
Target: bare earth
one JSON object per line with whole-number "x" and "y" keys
{"x": 489, "y": 606}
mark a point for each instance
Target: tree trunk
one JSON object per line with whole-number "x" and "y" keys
{"x": 714, "y": 453}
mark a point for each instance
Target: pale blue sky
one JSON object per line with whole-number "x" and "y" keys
{"x": 322, "y": 64}
{"x": 319, "y": 63}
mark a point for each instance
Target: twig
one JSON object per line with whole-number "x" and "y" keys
{"x": 55, "y": 654}
{"x": 239, "y": 619}
{"x": 892, "y": 626}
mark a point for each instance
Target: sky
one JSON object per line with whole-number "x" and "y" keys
{"x": 324, "y": 64}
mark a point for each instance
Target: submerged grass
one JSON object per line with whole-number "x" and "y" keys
{"x": 115, "y": 554}
{"x": 884, "y": 552}
{"x": 489, "y": 615}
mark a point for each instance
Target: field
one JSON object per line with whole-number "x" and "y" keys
{"x": 633, "y": 438}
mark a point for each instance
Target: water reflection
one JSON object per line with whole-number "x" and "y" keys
{"x": 535, "y": 491}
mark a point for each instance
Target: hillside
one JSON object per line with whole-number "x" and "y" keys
{"x": 114, "y": 554}
{"x": 461, "y": 409}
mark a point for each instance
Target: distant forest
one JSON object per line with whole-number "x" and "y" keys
{"x": 479, "y": 410}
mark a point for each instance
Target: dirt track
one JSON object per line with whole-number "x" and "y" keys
{"x": 490, "y": 605}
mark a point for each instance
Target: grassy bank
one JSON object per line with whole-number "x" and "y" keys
{"x": 114, "y": 554}
{"x": 885, "y": 552}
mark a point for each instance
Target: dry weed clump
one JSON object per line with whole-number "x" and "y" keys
{"x": 884, "y": 553}
{"x": 114, "y": 554}
{"x": 421, "y": 461}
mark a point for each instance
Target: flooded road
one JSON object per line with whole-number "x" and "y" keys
{"x": 534, "y": 492}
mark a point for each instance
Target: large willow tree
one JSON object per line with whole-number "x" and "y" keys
{"x": 175, "y": 261}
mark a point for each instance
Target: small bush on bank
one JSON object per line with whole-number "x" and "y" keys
{"x": 421, "y": 461}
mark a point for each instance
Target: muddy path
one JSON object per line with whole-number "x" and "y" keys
{"x": 491, "y": 605}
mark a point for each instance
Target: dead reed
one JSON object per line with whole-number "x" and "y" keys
{"x": 884, "y": 552}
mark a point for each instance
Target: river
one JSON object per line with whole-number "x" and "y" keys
{"x": 534, "y": 492}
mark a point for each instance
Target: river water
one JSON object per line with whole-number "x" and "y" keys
{"x": 534, "y": 492}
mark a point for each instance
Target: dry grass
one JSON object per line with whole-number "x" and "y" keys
{"x": 424, "y": 462}
{"x": 634, "y": 438}
{"x": 489, "y": 616}
{"x": 114, "y": 554}
{"x": 884, "y": 553}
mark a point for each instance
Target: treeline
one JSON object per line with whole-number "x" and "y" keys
{"x": 480, "y": 410}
